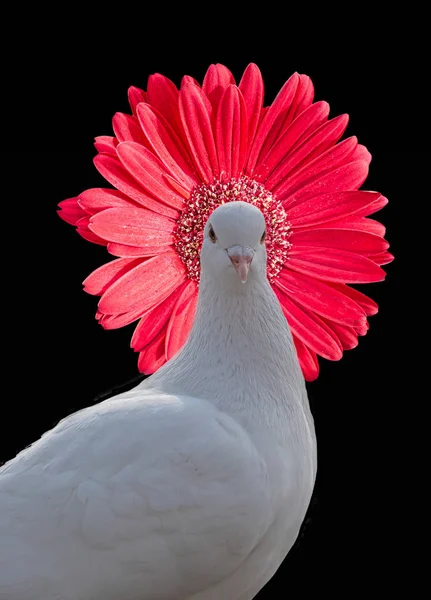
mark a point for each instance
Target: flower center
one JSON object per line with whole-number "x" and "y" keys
{"x": 206, "y": 197}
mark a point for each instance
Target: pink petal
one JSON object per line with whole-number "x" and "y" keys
{"x": 331, "y": 160}
{"x": 347, "y": 335}
{"x": 307, "y": 360}
{"x": 94, "y": 200}
{"x": 133, "y": 227}
{"x": 320, "y": 298}
{"x": 181, "y": 320}
{"x": 369, "y": 306}
{"x": 328, "y": 207}
{"x": 334, "y": 265}
{"x": 84, "y": 231}
{"x": 136, "y": 95}
{"x": 195, "y": 110}
{"x": 103, "y": 277}
{"x": 272, "y": 122}
{"x": 167, "y": 146}
{"x": 146, "y": 284}
{"x": 135, "y": 251}
{"x": 336, "y": 179}
{"x": 163, "y": 95}
{"x": 70, "y": 211}
{"x": 231, "y": 133}
{"x": 155, "y": 319}
{"x": 217, "y": 79}
{"x": 309, "y": 328}
{"x": 127, "y": 129}
{"x": 301, "y": 129}
{"x": 113, "y": 171}
{"x": 148, "y": 171}
{"x": 352, "y": 240}
{"x": 116, "y": 321}
{"x": 106, "y": 144}
{"x": 152, "y": 357}
{"x": 252, "y": 90}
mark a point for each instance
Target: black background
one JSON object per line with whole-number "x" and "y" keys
{"x": 58, "y": 98}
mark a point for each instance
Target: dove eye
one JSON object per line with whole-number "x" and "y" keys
{"x": 263, "y": 238}
{"x": 212, "y": 235}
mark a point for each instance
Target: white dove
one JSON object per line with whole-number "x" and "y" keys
{"x": 194, "y": 484}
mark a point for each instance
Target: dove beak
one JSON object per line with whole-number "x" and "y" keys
{"x": 241, "y": 257}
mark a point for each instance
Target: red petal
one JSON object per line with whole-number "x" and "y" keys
{"x": 133, "y": 227}
{"x": 327, "y": 207}
{"x": 272, "y": 122}
{"x": 148, "y": 171}
{"x": 146, "y": 284}
{"x": 70, "y": 211}
{"x": 155, "y": 320}
{"x": 103, "y": 277}
{"x": 310, "y": 171}
{"x": 251, "y": 87}
{"x": 231, "y": 133}
{"x": 134, "y": 251}
{"x": 84, "y": 231}
{"x": 113, "y": 171}
{"x": 320, "y": 298}
{"x": 152, "y": 356}
{"x": 195, "y": 111}
{"x": 303, "y": 98}
{"x": 127, "y": 129}
{"x": 119, "y": 320}
{"x": 334, "y": 265}
{"x": 372, "y": 208}
{"x": 347, "y": 335}
{"x": 188, "y": 79}
{"x": 382, "y": 259}
{"x": 302, "y": 128}
{"x": 217, "y": 79}
{"x": 167, "y": 146}
{"x": 136, "y": 95}
{"x": 359, "y": 223}
{"x": 181, "y": 320}
{"x": 309, "y": 328}
{"x": 96, "y": 199}
{"x": 307, "y": 360}
{"x": 344, "y": 239}
{"x": 338, "y": 178}
{"x": 163, "y": 95}
{"x": 106, "y": 144}
{"x": 369, "y": 306}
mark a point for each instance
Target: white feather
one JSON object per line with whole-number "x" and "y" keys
{"x": 191, "y": 486}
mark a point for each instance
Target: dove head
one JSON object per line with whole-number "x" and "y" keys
{"x": 233, "y": 249}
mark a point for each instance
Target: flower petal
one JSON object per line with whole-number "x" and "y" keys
{"x": 94, "y": 200}
{"x": 329, "y": 207}
{"x": 114, "y": 172}
{"x": 181, "y": 320}
{"x": 309, "y": 328}
{"x": 70, "y": 211}
{"x": 370, "y": 226}
{"x": 347, "y": 335}
{"x": 155, "y": 319}
{"x": 320, "y": 298}
{"x": 301, "y": 129}
{"x": 124, "y": 251}
{"x": 217, "y": 79}
{"x": 127, "y": 129}
{"x": 352, "y": 240}
{"x": 152, "y": 357}
{"x": 252, "y": 90}
{"x": 195, "y": 110}
{"x": 231, "y": 133}
{"x": 369, "y": 306}
{"x": 84, "y": 231}
{"x": 166, "y": 145}
{"x": 382, "y": 259}
{"x": 148, "y": 171}
{"x": 133, "y": 227}
{"x": 103, "y": 277}
{"x": 136, "y": 95}
{"x": 106, "y": 144}
{"x": 307, "y": 360}
{"x": 272, "y": 122}
{"x": 334, "y": 265}
{"x": 163, "y": 95}
{"x": 146, "y": 284}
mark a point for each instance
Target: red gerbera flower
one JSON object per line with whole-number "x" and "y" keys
{"x": 181, "y": 154}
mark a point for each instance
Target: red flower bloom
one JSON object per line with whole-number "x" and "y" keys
{"x": 181, "y": 154}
